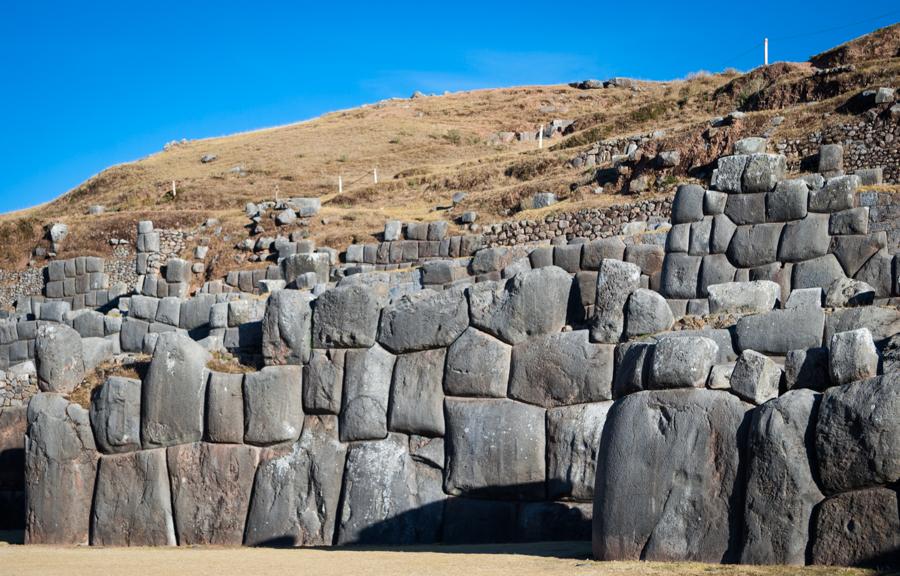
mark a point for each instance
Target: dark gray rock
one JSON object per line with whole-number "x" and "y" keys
{"x": 807, "y": 368}
{"x": 495, "y": 448}
{"x": 559, "y": 369}
{"x": 423, "y": 320}
{"x": 647, "y": 257}
{"x": 831, "y": 158}
{"x": 678, "y": 239}
{"x": 878, "y": 273}
{"x": 781, "y": 489}
{"x": 859, "y": 528}
{"x": 788, "y": 201}
{"x": 477, "y": 365}
{"x": 852, "y": 221}
{"x": 779, "y": 331}
{"x": 743, "y": 297}
{"x": 819, "y": 272}
{"x": 882, "y": 322}
{"x": 858, "y": 435}
{"x": 531, "y": 303}
{"x": 755, "y": 377}
{"x": 699, "y": 244}
{"x": 211, "y": 486}
{"x": 295, "y": 495}
{"x": 715, "y": 270}
{"x": 367, "y": 386}
{"x": 632, "y": 368}
{"x": 721, "y": 336}
{"x": 225, "y": 408}
{"x": 417, "y": 395}
{"x": 854, "y": 251}
{"x": 746, "y": 208}
{"x": 287, "y": 328}
{"x": 689, "y": 442}
{"x": 647, "y": 313}
{"x": 479, "y": 521}
{"x": 568, "y": 257}
{"x": 688, "y": 204}
{"x": 680, "y": 276}
{"x": 116, "y": 415}
{"x": 173, "y": 392}
{"x": 682, "y": 362}
{"x": 131, "y": 337}
{"x": 845, "y": 292}
{"x": 59, "y": 358}
{"x": 323, "y": 382}
{"x": 595, "y": 251}
{"x": 714, "y": 202}
{"x": 805, "y": 239}
{"x": 838, "y": 194}
{"x": 723, "y": 230}
{"x": 753, "y": 246}
{"x": 573, "y": 441}
{"x": 132, "y": 504}
{"x": 729, "y": 172}
{"x": 616, "y": 280}
{"x": 273, "y": 406}
{"x": 347, "y": 316}
{"x": 195, "y": 311}
{"x": 763, "y": 172}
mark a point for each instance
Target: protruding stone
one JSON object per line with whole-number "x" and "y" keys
{"x": 779, "y": 331}
{"x": 347, "y": 316}
{"x": 852, "y": 356}
{"x": 116, "y": 415}
{"x": 647, "y": 313}
{"x": 477, "y": 365}
{"x": 287, "y": 328}
{"x": 682, "y": 362}
{"x": 573, "y": 442}
{"x": 743, "y": 297}
{"x": 273, "y": 407}
{"x": 367, "y": 386}
{"x": 59, "y": 358}
{"x": 417, "y": 395}
{"x": 859, "y": 528}
{"x": 423, "y": 320}
{"x": 755, "y": 377}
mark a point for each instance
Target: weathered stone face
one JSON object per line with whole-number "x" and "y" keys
{"x": 60, "y": 468}
{"x": 273, "y": 405}
{"x": 424, "y": 320}
{"x": 367, "y": 386}
{"x": 323, "y": 382}
{"x": 755, "y": 377}
{"x": 417, "y": 394}
{"x": 573, "y": 441}
{"x": 116, "y": 415}
{"x": 59, "y": 358}
{"x": 173, "y": 392}
{"x": 689, "y": 442}
{"x": 781, "y": 489}
{"x": 861, "y": 527}
{"x": 615, "y": 282}
{"x": 347, "y": 316}
{"x": 132, "y": 504}
{"x": 295, "y": 496}
{"x": 477, "y": 365}
{"x": 225, "y": 408}
{"x": 211, "y": 491}
{"x": 682, "y": 362}
{"x": 559, "y": 369}
{"x": 495, "y": 448}
{"x": 286, "y": 328}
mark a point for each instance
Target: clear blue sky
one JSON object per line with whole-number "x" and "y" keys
{"x": 93, "y": 83}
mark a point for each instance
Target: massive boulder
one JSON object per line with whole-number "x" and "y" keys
{"x": 417, "y": 394}
{"x": 495, "y": 448}
{"x": 755, "y": 377}
{"x": 743, "y": 297}
{"x": 858, "y": 528}
{"x": 477, "y": 365}
{"x": 573, "y": 441}
{"x": 286, "y": 328}
{"x": 858, "y": 435}
{"x": 367, "y": 386}
{"x": 347, "y": 316}
{"x": 60, "y": 467}
{"x": 295, "y": 496}
{"x": 423, "y": 320}
{"x": 273, "y": 405}
{"x": 211, "y": 491}
{"x": 59, "y": 358}
{"x": 781, "y": 489}
{"x": 675, "y": 502}
{"x": 173, "y": 392}
{"x": 647, "y": 313}
{"x": 559, "y": 369}
{"x": 323, "y": 381}
{"x": 616, "y": 281}
{"x": 779, "y": 331}
{"x": 387, "y": 497}
{"x": 682, "y": 362}
{"x": 532, "y": 303}
{"x": 132, "y": 504}
{"x": 116, "y": 415}
{"x": 852, "y": 356}
{"x": 225, "y": 408}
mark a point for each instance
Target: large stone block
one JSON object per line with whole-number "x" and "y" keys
{"x": 596, "y": 251}
{"x": 755, "y": 377}
{"x": 745, "y": 209}
{"x": 323, "y": 382}
{"x": 723, "y": 230}
{"x": 616, "y": 280}
{"x": 819, "y": 272}
{"x": 858, "y": 435}
{"x": 495, "y": 448}
{"x": 859, "y": 528}
{"x": 173, "y": 392}
{"x": 295, "y": 496}
{"x": 649, "y": 257}
{"x": 763, "y": 172}
{"x": 647, "y": 313}
{"x": 477, "y": 365}
{"x": 560, "y": 369}
{"x": 781, "y": 489}
{"x": 273, "y": 405}
{"x": 779, "y": 331}
{"x": 674, "y": 502}
{"x": 133, "y": 504}
{"x": 632, "y": 367}
{"x": 59, "y": 358}
{"x": 743, "y": 297}
{"x": 287, "y": 328}
{"x": 852, "y": 356}
{"x": 680, "y": 276}
{"x": 531, "y": 303}
{"x": 347, "y": 316}
{"x": 573, "y": 441}
{"x": 753, "y": 246}
{"x": 60, "y": 468}
{"x": 116, "y": 415}
{"x": 838, "y": 194}
{"x": 211, "y": 486}
{"x": 688, "y": 204}
{"x": 882, "y": 322}
{"x": 367, "y": 386}
{"x": 423, "y": 320}
{"x": 729, "y": 171}
{"x": 225, "y": 408}
{"x": 878, "y": 272}
{"x": 805, "y": 239}
{"x": 682, "y": 362}
{"x": 788, "y": 201}
{"x": 715, "y": 269}
{"x": 296, "y": 265}
{"x": 417, "y": 395}
{"x": 852, "y": 221}
{"x": 855, "y": 250}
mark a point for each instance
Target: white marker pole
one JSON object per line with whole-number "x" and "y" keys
{"x": 766, "y": 52}
{"x": 341, "y": 184}
{"x": 541, "y": 137}
{"x": 174, "y": 192}
{"x": 375, "y": 174}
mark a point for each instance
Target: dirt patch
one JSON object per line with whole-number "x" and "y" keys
{"x": 882, "y": 43}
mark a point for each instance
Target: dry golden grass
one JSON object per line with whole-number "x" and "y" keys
{"x": 134, "y": 368}
{"x": 570, "y": 558}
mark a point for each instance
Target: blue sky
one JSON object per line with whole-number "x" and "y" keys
{"x": 89, "y": 84}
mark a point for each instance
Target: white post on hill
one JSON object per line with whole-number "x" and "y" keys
{"x": 766, "y": 52}
{"x": 375, "y": 174}
{"x": 341, "y": 184}
{"x": 541, "y": 137}
{"x": 174, "y": 191}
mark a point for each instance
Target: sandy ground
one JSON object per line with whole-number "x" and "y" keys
{"x": 518, "y": 560}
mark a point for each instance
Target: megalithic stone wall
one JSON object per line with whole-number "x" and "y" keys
{"x": 558, "y": 401}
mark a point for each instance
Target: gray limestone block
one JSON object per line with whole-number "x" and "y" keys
{"x": 688, "y": 204}
{"x": 753, "y": 246}
{"x": 714, "y": 202}
{"x": 678, "y": 238}
{"x": 168, "y": 311}
{"x": 173, "y": 392}
{"x": 859, "y": 528}
{"x": 616, "y": 280}
{"x": 477, "y": 365}
{"x": 805, "y": 239}
{"x": 632, "y": 368}
{"x": 746, "y": 208}
{"x": 682, "y": 362}
{"x": 131, "y": 336}
{"x": 755, "y": 378}
{"x": 59, "y": 358}
{"x": 195, "y": 311}
{"x": 883, "y": 322}
{"x": 722, "y": 231}
{"x": 116, "y": 415}
{"x": 60, "y": 471}
{"x": 561, "y": 369}
{"x": 417, "y": 395}
{"x": 715, "y": 270}
{"x": 831, "y": 158}
{"x": 751, "y": 145}
{"x": 647, "y": 257}
{"x": 595, "y": 251}
{"x": 211, "y": 486}
{"x": 542, "y": 256}
{"x": 143, "y": 307}
{"x": 878, "y": 273}
{"x": 779, "y": 331}
{"x": 287, "y": 328}
{"x": 323, "y": 382}
{"x": 245, "y": 311}
{"x": 730, "y": 172}
{"x": 775, "y": 272}
{"x": 437, "y": 230}
{"x": 532, "y": 303}
{"x": 423, "y": 320}
{"x": 781, "y": 492}
{"x": 273, "y": 405}
{"x": 838, "y": 194}
{"x": 744, "y": 297}
{"x": 763, "y": 172}
{"x": 646, "y": 312}
{"x": 807, "y": 368}
{"x": 417, "y": 230}
{"x": 296, "y": 265}
{"x": 495, "y": 448}
{"x": 852, "y": 221}
{"x": 680, "y": 276}
{"x": 573, "y": 441}
{"x": 568, "y": 257}
{"x": 805, "y": 298}
{"x": 347, "y": 316}
{"x": 225, "y": 408}
{"x": 721, "y": 336}
{"x": 296, "y": 495}
{"x": 89, "y": 324}
{"x": 845, "y": 292}
{"x": 852, "y": 356}
{"x": 819, "y": 272}
{"x": 720, "y": 377}
{"x": 690, "y": 443}
{"x": 367, "y": 386}
{"x": 178, "y": 270}
{"x": 133, "y": 503}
